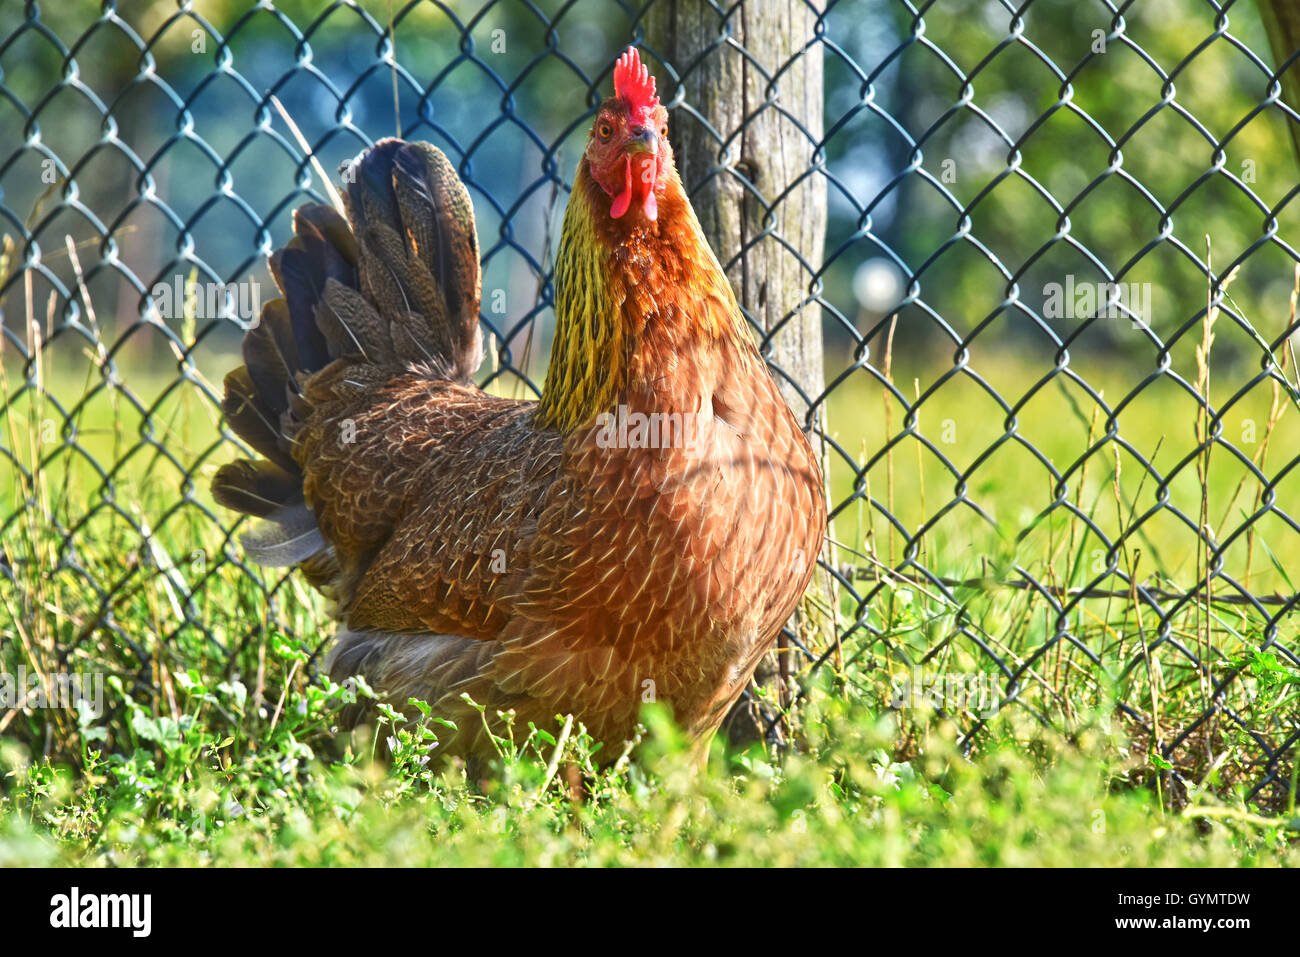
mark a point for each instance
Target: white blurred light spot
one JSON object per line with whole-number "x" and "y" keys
{"x": 878, "y": 285}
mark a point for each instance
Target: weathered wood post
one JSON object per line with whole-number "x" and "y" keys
{"x": 1282, "y": 23}
{"x": 746, "y": 160}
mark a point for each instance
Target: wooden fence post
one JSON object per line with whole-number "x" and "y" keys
{"x": 752, "y": 76}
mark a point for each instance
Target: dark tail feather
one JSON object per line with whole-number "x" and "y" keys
{"x": 419, "y": 257}
{"x": 397, "y": 288}
{"x": 256, "y": 488}
{"x": 252, "y": 416}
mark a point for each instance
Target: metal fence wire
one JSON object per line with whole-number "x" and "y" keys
{"x": 1056, "y": 302}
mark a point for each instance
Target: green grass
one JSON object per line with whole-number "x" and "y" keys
{"x": 219, "y": 745}
{"x": 181, "y": 794}
{"x": 1045, "y": 583}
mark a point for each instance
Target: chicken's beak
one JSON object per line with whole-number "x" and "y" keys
{"x": 642, "y": 140}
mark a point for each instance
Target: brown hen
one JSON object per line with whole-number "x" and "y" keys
{"x": 641, "y": 533}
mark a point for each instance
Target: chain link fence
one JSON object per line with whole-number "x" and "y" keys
{"x": 1056, "y": 296}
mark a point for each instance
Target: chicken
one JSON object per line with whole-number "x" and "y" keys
{"x": 639, "y": 534}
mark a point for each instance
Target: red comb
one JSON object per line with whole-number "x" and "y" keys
{"x": 633, "y": 82}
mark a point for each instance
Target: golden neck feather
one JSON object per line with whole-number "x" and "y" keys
{"x": 617, "y": 284}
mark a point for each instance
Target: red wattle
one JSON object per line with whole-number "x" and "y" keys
{"x": 644, "y": 185}
{"x": 624, "y": 199}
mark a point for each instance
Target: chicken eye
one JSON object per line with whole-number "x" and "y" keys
{"x": 605, "y": 131}
{"x": 663, "y": 130}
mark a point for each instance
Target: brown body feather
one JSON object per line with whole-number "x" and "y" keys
{"x": 497, "y": 548}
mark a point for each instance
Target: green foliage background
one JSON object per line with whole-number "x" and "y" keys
{"x": 218, "y": 744}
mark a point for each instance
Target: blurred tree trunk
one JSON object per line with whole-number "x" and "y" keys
{"x": 746, "y": 168}
{"x": 1282, "y": 24}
